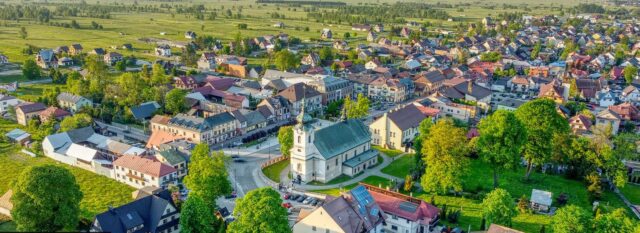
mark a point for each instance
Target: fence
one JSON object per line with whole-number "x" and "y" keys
{"x": 273, "y": 161}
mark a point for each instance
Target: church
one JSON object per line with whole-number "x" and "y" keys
{"x": 322, "y": 152}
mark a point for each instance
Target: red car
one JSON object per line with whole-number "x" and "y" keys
{"x": 286, "y": 205}
{"x": 286, "y": 196}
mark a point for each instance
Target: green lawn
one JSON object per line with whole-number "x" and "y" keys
{"x": 99, "y": 191}
{"x": 32, "y": 92}
{"x": 273, "y": 171}
{"x": 401, "y": 166}
{"x": 372, "y": 180}
{"x": 388, "y": 152}
{"x": 632, "y": 192}
{"x": 12, "y": 78}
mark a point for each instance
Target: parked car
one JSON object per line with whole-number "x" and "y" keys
{"x": 235, "y": 156}
{"x": 286, "y": 196}
{"x": 239, "y": 161}
{"x": 314, "y": 202}
{"x": 286, "y": 205}
{"x": 232, "y": 195}
{"x": 301, "y": 198}
{"x": 308, "y": 200}
{"x": 293, "y": 196}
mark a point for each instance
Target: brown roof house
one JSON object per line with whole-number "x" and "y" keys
{"x": 53, "y": 113}
{"x": 298, "y": 92}
{"x": 580, "y": 124}
{"x": 27, "y": 111}
{"x": 397, "y": 128}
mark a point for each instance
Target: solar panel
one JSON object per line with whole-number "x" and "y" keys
{"x": 408, "y": 207}
{"x": 374, "y": 211}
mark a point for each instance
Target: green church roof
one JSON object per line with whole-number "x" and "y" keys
{"x": 340, "y": 137}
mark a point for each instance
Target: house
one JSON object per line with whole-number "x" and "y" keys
{"x": 65, "y": 61}
{"x": 154, "y": 213}
{"x": 185, "y": 82}
{"x": 278, "y": 25}
{"x": 211, "y": 129}
{"x": 608, "y": 118}
{"x": 46, "y": 59}
{"x": 140, "y": 172}
{"x": 389, "y": 90}
{"x": 27, "y": 111}
{"x": 404, "y": 213}
{"x": 163, "y": 50}
{"x": 72, "y": 102}
{"x": 606, "y": 97}
{"x": 352, "y": 212}
{"x": 323, "y": 152}
{"x": 469, "y": 91}
{"x": 145, "y": 111}
{"x": 75, "y": 49}
{"x": 277, "y": 106}
{"x": 397, "y": 128}
{"x": 190, "y": 35}
{"x": 207, "y": 61}
{"x": 112, "y": 57}
{"x": 630, "y": 94}
{"x": 19, "y": 136}
{"x": 300, "y": 94}
{"x": 53, "y": 113}
{"x": 250, "y": 120}
{"x": 509, "y": 104}
{"x": 495, "y": 228}
{"x": 541, "y": 200}
{"x": 580, "y": 124}
{"x": 312, "y": 59}
{"x": 449, "y": 108}
{"x": 7, "y": 101}
{"x": 88, "y": 150}
{"x": 60, "y": 50}
{"x": 332, "y": 88}
{"x": 326, "y": 34}
{"x": 361, "y": 27}
{"x": 521, "y": 84}
{"x": 98, "y": 52}
{"x": 553, "y": 91}
{"x": 626, "y": 111}
{"x": 3, "y": 59}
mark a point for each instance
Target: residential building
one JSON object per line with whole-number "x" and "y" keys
{"x": 353, "y": 212}
{"x": 249, "y": 120}
{"x": 332, "y": 88}
{"x": 86, "y": 149}
{"x": 7, "y": 101}
{"x": 470, "y": 92}
{"x": 53, "y": 113}
{"x": 75, "y": 49}
{"x": 144, "y": 111}
{"x": 153, "y": 213}
{"x": 326, "y": 34}
{"x": 609, "y": 118}
{"x": 112, "y": 57}
{"x": 140, "y": 172}
{"x": 185, "y": 82}
{"x": 580, "y": 124}
{"x": 27, "y": 111}
{"x": 278, "y": 107}
{"x": 397, "y": 128}
{"x": 450, "y": 109}
{"x": 495, "y": 228}
{"x": 312, "y": 59}
{"x": 554, "y": 91}
{"x": 207, "y": 61}
{"x": 404, "y": 213}
{"x": 388, "y": 90}
{"x": 163, "y": 50}
{"x": 212, "y": 129}
{"x": 298, "y": 93}
{"x": 323, "y": 152}
{"x": 72, "y": 102}
{"x": 46, "y": 59}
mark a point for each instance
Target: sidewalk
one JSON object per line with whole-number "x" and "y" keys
{"x": 376, "y": 171}
{"x": 271, "y": 141}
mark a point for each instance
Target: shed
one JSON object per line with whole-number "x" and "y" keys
{"x": 541, "y": 200}
{"x": 19, "y": 136}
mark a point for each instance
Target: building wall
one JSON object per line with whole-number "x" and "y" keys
{"x": 318, "y": 221}
{"x": 4, "y": 105}
{"x": 23, "y": 118}
{"x": 143, "y": 180}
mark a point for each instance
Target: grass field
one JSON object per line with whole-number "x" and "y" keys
{"x": 33, "y": 91}
{"x": 372, "y": 180}
{"x": 273, "y": 172}
{"x": 400, "y": 167}
{"x": 632, "y": 192}
{"x": 7, "y": 227}
{"x": 388, "y": 152}
{"x": 99, "y": 191}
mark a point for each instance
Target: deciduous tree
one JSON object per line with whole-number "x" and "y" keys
{"x": 260, "y": 211}
{"x": 498, "y": 207}
{"x": 46, "y": 198}
{"x": 615, "y": 221}
{"x": 77, "y": 121}
{"x": 500, "y": 142}
{"x": 570, "y": 219}
{"x": 30, "y": 69}
{"x": 196, "y": 216}
{"x": 207, "y": 176}
{"x": 285, "y": 138}
{"x": 443, "y": 151}
{"x": 175, "y": 102}
{"x": 542, "y": 121}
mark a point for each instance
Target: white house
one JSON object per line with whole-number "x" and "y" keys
{"x": 72, "y": 102}
{"x": 139, "y": 172}
{"x": 163, "y": 50}
{"x": 6, "y": 101}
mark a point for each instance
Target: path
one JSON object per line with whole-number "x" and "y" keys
{"x": 628, "y": 203}
{"x": 376, "y": 171}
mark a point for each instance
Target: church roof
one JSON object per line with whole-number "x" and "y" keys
{"x": 340, "y": 137}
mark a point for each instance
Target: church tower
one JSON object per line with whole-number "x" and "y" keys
{"x": 302, "y": 150}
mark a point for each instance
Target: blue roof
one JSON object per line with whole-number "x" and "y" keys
{"x": 144, "y": 110}
{"x": 15, "y": 134}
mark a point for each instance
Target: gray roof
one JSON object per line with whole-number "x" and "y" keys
{"x": 541, "y": 197}
{"x": 145, "y": 110}
{"x": 340, "y": 137}
{"x": 407, "y": 117}
{"x": 147, "y": 211}
{"x": 68, "y": 97}
{"x": 199, "y": 123}
{"x": 173, "y": 156}
{"x": 361, "y": 158}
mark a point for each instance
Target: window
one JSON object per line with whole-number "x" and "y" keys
{"x": 394, "y": 227}
{"x": 298, "y": 139}
{"x": 313, "y": 228}
{"x": 336, "y": 161}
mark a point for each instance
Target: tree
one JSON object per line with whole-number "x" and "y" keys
{"x": 175, "y": 101}
{"x": 31, "y": 70}
{"x": 207, "y": 176}
{"x": 196, "y": 216}
{"x": 542, "y": 122}
{"x": 121, "y": 66}
{"x": 260, "y": 211}
{"x": 97, "y": 73}
{"x": 616, "y": 221}
{"x": 285, "y": 138}
{"x": 326, "y": 54}
{"x": 358, "y": 109}
{"x": 491, "y": 57}
{"x": 570, "y": 219}
{"x": 46, "y": 198}
{"x": 23, "y": 33}
{"x": 502, "y": 137}
{"x": 408, "y": 183}
{"x": 523, "y": 205}
{"x": 498, "y": 207}
{"x": 630, "y": 72}
{"x": 443, "y": 151}
{"x": 285, "y": 60}
{"x": 158, "y": 76}
{"x": 77, "y": 121}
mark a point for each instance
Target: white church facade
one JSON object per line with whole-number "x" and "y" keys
{"x": 322, "y": 153}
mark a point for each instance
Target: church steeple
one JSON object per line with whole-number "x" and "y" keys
{"x": 303, "y": 117}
